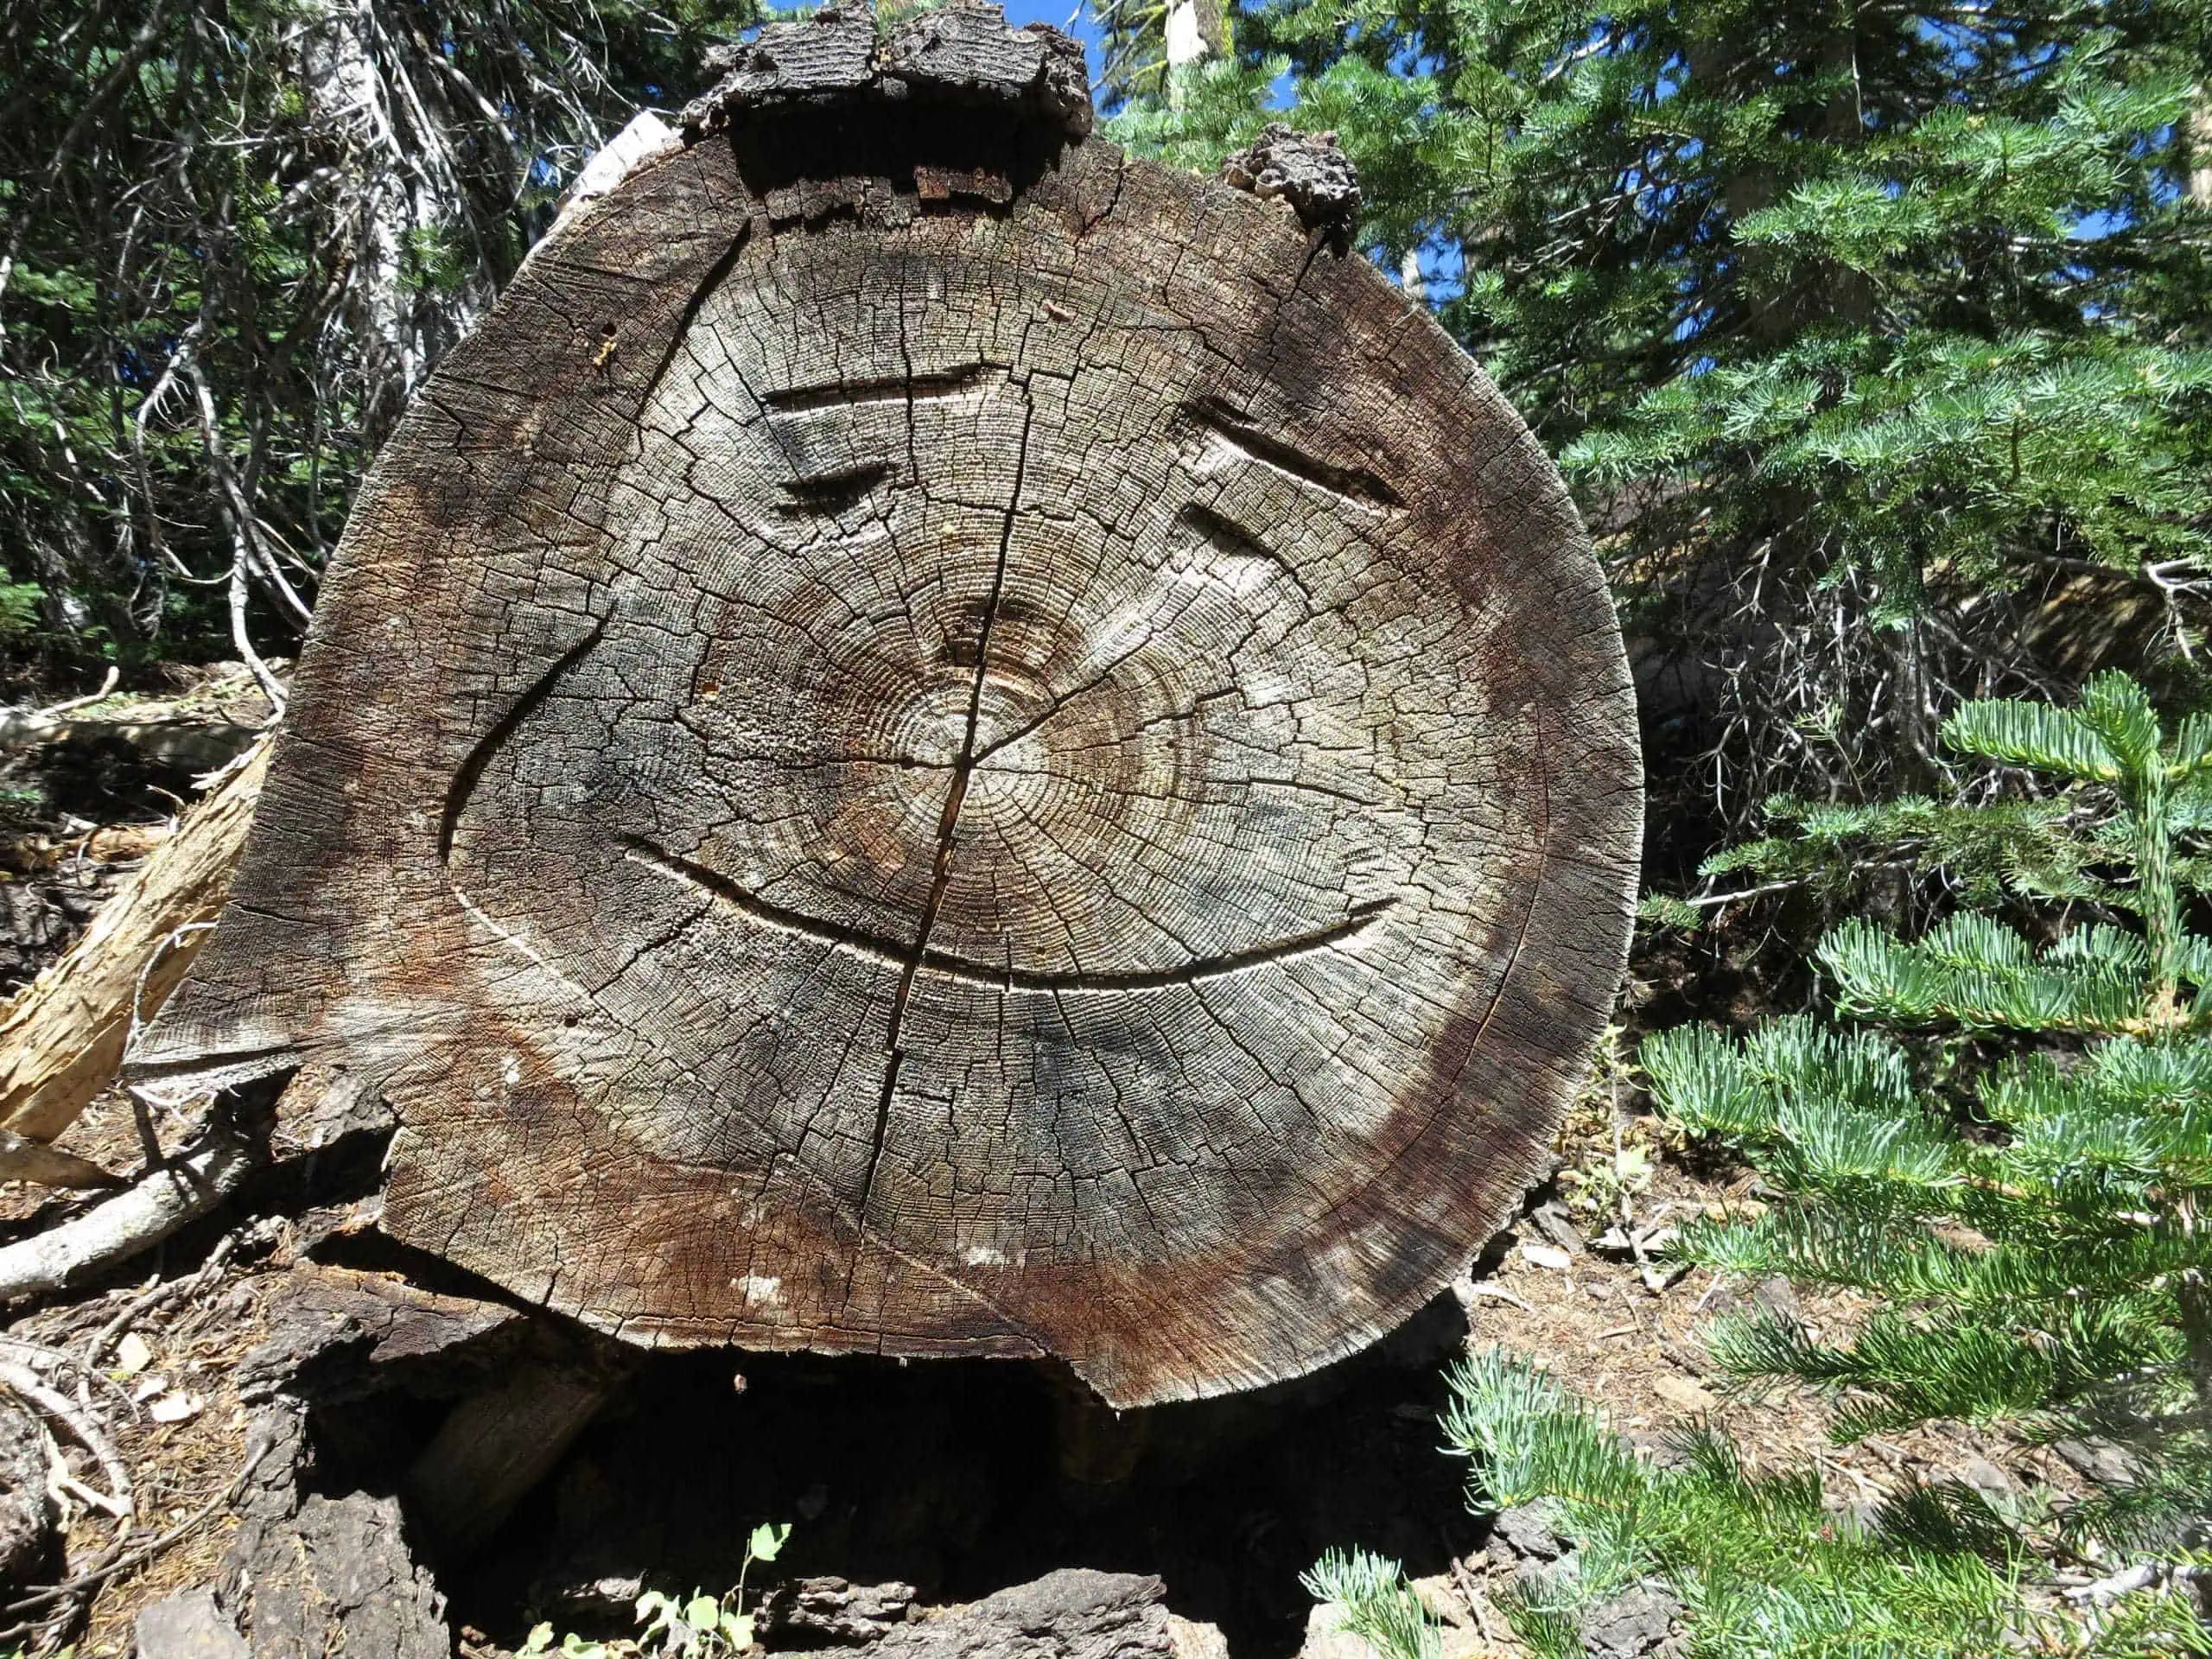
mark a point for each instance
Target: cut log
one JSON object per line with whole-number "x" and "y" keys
{"x": 939, "y": 740}
{"x": 64, "y": 1034}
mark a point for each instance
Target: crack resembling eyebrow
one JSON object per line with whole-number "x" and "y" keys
{"x": 891, "y": 953}
{"x": 1351, "y": 483}
{"x": 891, "y": 389}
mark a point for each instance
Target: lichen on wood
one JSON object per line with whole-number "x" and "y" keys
{"x": 938, "y": 740}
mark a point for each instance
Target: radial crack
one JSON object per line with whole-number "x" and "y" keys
{"x": 956, "y": 794}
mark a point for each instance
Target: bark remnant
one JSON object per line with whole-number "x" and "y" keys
{"x": 1309, "y": 170}
{"x": 959, "y": 54}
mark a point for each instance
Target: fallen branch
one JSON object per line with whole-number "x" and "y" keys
{"x": 179, "y": 1192}
{"x": 29, "y": 1387}
{"x": 41, "y": 1357}
{"x": 25, "y": 1160}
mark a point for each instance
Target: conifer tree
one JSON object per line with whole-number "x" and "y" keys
{"x": 2005, "y": 1140}
{"x": 1865, "y": 333}
{"x": 237, "y": 235}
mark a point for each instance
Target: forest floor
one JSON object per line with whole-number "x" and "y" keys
{"x": 954, "y": 1477}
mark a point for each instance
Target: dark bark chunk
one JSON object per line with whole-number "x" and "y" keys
{"x": 311, "y": 1577}
{"x": 1306, "y": 169}
{"x": 963, "y": 53}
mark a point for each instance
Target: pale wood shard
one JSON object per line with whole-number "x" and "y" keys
{"x": 884, "y": 770}
{"x": 64, "y": 1033}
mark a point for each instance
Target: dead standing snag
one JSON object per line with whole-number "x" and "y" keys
{"x": 939, "y": 742}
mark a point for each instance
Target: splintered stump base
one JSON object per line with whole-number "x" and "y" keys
{"x": 936, "y": 740}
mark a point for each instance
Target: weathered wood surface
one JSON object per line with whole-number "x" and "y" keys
{"x": 63, "y": 1036}
{"x": 942, "y": 741}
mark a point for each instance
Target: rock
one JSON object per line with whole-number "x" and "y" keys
{"x": 1542, "y": 1580}
{"x": 1441, "y": 1593}
{"x": 1662, "y": 1448}
{"x": 1306, "y": 169}
{"x": 189, "y": 1625}
{"x": 1529, "y": 1530}
{"x": 1682, "y": 1394}
{"x": 26, "y": 1505}
{"x": 1326, "y": 1639}
{"x": 2100, "y": 1461}
{"x": 1986, "y": 1477}
{"x": 1547, "y": 1255}
{"x": 1551, "y": 1220}
{"x": 1196, "y": 1641}
{"x": 1777, "y": 1295}
{"x": 1075, "y": 1613}
{"x": 808, "y": 1612}
{"x": 1636, "y": 1623}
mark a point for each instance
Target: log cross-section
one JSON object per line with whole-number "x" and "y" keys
{"x": 937, "y": 741}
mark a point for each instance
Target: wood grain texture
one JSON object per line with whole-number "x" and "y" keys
{"x": 925, "y": 769}
{"x": 63, "y": 1035}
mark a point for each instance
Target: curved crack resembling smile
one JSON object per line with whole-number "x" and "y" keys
{"x": 945, "y": 963}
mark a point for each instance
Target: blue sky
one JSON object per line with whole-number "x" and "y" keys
{"x": 1068, "y": 15}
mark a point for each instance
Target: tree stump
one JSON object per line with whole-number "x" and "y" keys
{"x": 937, "y": 741}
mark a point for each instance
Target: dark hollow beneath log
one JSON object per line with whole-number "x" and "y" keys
{"x": 937, "y": 742}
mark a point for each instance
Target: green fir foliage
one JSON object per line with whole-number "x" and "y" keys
{"x": 2027, "y": 1207}
{"x": 1861, "y": 332}
{"x": 1375, "y": 1603}
{"x": 1764, "y": 1564}
{"x": 239, "y": 236}
{"x": 2005, "y": 1145}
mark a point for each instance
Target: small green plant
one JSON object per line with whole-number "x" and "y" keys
{"x": 1377, "y": 1606}
{"x": 1762, "y": 1567}
{"x": 697, "y": 1626}
{"x": 2004, "y": 1142}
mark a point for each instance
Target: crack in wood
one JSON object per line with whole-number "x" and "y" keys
{"x": 1354, "y": 484}
{"x": 954, "y": 796}
{"x": 471, "y": 770}
{"x": 832, "y": 492}
{"x": 1231, "y": 540}
{"x": 890, "y": 953}
{"x": 901, "y": 389}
